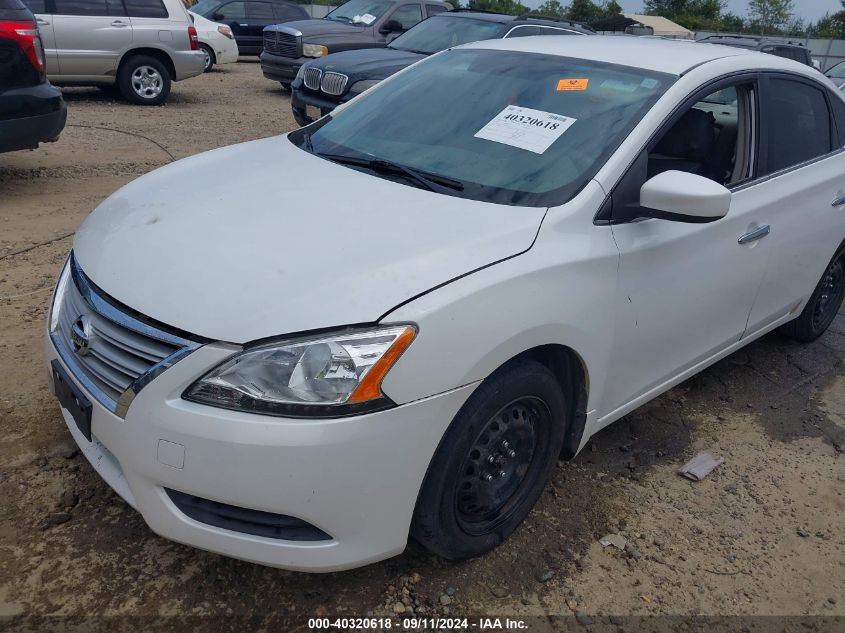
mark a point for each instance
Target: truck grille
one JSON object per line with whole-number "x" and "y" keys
{"x": 311, "y": 78}
{"x": 280, "y": 43}
{"x": 110, "y": 351}
{"x": 334, "y": 83}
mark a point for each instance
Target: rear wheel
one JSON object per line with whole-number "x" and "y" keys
{"x": 210, "y": 59}
{"x": 493, "y": 462}
{"x": 144, "y": 80}
{"x": 824, "y": 303}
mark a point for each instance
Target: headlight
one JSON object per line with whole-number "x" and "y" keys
{"x": 225, "y": 30}
{"x": 328, "y": 376}
{"x": 314, "y": 50}
{"x": 360, "y": 86}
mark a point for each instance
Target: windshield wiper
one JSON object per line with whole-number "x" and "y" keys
{"x": 427, "y": 180}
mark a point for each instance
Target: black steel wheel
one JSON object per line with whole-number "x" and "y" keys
{"x": 493, "y": 462}
{"x": 824, "y": 304}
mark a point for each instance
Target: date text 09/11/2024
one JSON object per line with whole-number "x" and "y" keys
{"x": 412, "y": 624}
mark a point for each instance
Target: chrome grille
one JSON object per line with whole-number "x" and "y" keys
{"x": 280, "y": 43}
{"x": 112, "y": 353}
{"x": 311, "y": 78}
{"x": 334, "y": 83}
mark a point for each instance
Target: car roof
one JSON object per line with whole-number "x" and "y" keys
{"x": 668, "y": 56}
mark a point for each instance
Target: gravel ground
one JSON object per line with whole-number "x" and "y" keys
{"x": 761, "y": 536}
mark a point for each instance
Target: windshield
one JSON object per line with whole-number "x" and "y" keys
{"x": 439, "y": 33}
{"x": 363, "y": 12}
{"x": 205, "y": 7}
{"x": 837, "y": 72}
{"x": 511, "y": 127}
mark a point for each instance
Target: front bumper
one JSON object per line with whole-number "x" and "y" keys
{"x": 188, "y": 64}
{"x": 282, "y": 69}
{"x": 300, "y": 99}
{"x": 357, "y": 478}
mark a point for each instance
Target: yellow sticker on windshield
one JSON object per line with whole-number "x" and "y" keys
{"x": 572, "y": 84}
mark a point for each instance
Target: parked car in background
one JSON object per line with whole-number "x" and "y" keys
{"x": 247, "y": 18}
{"x": 31, "y": 110}
{"x": 355, "y": 24}
{"x": 773, "y": 46}
{"x": 217, "y": 41}
{"x": 139, "y": 45}
{"x": 405, "y": 313}
{"x": 836, "y": 74}
{"x": 324, "y": 83}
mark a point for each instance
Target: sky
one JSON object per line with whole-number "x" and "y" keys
{"x": 810, "y": 10}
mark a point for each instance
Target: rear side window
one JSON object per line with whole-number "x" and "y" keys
{"x": 145, "y": 8}
{"x": 89, "y": 7}
{"x": 284, "y": 12}
{"x": 36, "y": 6}
{"x": 798, "y": 124}
{"x": 260, "y": 11}
{"x": 434, "y": 9}
{"x": 408, "y": 15}
{"x": 231, "y": 11}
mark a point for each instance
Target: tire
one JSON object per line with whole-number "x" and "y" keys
{"x": 824, "y": 303}
{"x": 210, "y": 59}
{"x": 285, "y": 86}
{"x": 514, "y": 422}
{"x": 144, "y": 80}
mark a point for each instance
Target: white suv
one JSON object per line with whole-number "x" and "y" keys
{"x": 141, "y": 45}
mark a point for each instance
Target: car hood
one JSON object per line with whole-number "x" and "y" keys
{"x": 263, "y": 239}
{"x": 376, "y": 63}
{"x": 318, "y": 27}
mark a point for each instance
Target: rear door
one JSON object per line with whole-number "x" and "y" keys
{"x": 803, "y": 191}
{"x": 149, "y": 20}
{"x": 90, "y": 36}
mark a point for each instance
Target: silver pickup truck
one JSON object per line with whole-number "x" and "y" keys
{"x": 139, "y": 45}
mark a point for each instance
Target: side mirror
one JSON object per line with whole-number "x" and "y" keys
{"x": 684, "y": 197}
{"x": 391, "y": 26}
{"x": 218, "y": 17}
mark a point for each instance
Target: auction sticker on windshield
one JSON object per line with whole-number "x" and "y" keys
{"x": 532, "y": 130}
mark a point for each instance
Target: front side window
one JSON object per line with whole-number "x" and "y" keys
{"x": 798, "y": 124}
{"x": 407, "y": 15}
{"x": 506, "y": 127}
{"x": 439, "y": 33}
{"x": 145, "y": 8}
{"x": 434, "y": 9}
{"x": 231, "y": 12}
{"x": 89, "y": 7}
{"x": 363, "y": 12}
{"x": 713, "y": 138}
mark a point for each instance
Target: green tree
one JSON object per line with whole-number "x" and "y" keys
{"x": 611, "y": 8}
{"x": 829, "y": 26}
{"x": 511, "y": 7}
{"x": 731, "y": 23}
{"x": 552, "y": 8}
{"x": 584, "y": 11}
{"x": 769, "y": 16}
{"x": 456, "y": 4}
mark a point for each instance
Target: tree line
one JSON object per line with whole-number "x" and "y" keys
{"x": 764, "y": 17}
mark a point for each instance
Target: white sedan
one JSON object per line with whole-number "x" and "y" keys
{"x": 216, "y": 40}
{"x": 407, "y": 310}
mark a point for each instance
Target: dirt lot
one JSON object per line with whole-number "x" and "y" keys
{"x": 762, "y": 535}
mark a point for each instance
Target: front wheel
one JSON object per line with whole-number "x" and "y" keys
{"x": 144, "y": 80}
{"x": 824, "y": 303}
{"x": 493, "y": 462}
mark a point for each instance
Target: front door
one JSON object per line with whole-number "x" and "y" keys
{"x": 90, "y": 37}
{"x": 685, "y": 290}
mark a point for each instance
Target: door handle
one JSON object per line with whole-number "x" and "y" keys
{"x": 119, "y": 23}
{"x": 838, "y": 202}
{"x": 42, "y": 22}
{"x": 756, "y": 234}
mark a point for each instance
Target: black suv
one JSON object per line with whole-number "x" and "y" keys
{"x": 354, "y": 24}
{"x": 247, "y": 18}
{"x": 324, "y": 83}
{"x": 773, "y": 46}
{"x": 31, "y": 110}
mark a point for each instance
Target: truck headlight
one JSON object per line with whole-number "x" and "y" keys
{"x": 314, "y": 50}
{"x": 327, "y": 376}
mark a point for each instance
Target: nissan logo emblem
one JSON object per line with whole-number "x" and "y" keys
{"x": 81, "y": 334}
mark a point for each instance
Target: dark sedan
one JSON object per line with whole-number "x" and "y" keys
{"x": 324, "y": 83}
